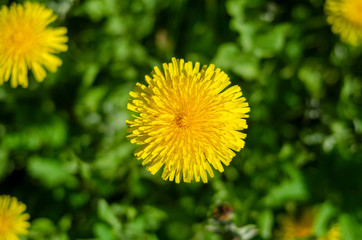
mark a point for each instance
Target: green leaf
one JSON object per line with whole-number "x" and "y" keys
{"x": 50, "y": 172}
{"x": 322, "y": 218}
{"x": 3, "y": 162}
{"x": 311, "y": 76}
{"x": 43, "y": 226}
{"x": 350, "y": 228}
{"x": 292, "y": 189}
{"x": 107, "y": 214}
{"x": 50, "y": 132}
{"x": 103, "y": 231}
{"x": 267, "y": 44}
{"x": 230, "y": 57}
{"x": 266, "y": 221}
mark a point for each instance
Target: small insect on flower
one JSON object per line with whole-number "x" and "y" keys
{"x": 13, "y": 220}
{"x": 345, "y": 16}
{"x": 27, "y": 42}
{"x": 187, "y": 121}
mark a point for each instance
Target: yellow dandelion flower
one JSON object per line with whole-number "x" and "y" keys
{"x": 27, "y": 43}
{"x": 187, "y": 121}
{"x": 333, "y": 234}
{"x": 13, "y": 220}
{"x": 345, "y": 16}
{"x": 300, "y": 228}
{"x": 295, "y": 228}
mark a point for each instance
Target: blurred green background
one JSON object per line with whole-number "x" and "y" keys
{"x": 63, "y": 150}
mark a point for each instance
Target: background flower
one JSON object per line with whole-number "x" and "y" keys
{"x": 28, "y": 43}
{"x": 303, "y": 227}
{"x": 346, "y": 19}
{"x": 333, "y": 234}
{"x": 297, "y": 227}
{"x": 13, "y": 220}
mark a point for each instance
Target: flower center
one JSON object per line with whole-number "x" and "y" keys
{"x": 182, "y": 120}
{"x": 21, "y": 39}
{"x": 353, "y": 12}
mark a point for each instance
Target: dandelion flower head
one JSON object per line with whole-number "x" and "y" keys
{"x": 187, "y": 121}
{"x": 28, "y": 43}
{"x": 294, "y": 228}
{"x": 13, "y": 220}
{"x": 345, "y": 16}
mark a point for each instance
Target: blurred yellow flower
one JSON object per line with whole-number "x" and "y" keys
{"x": 187, "y": 121}
{"x": 345, "y": 16}
{"x": 27, "y": 43}
{"x": 13, "y": 220}
{"x": 333, "y": 234}
{"x": 300, "y": 228}
{"x": 294, "y": 228}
